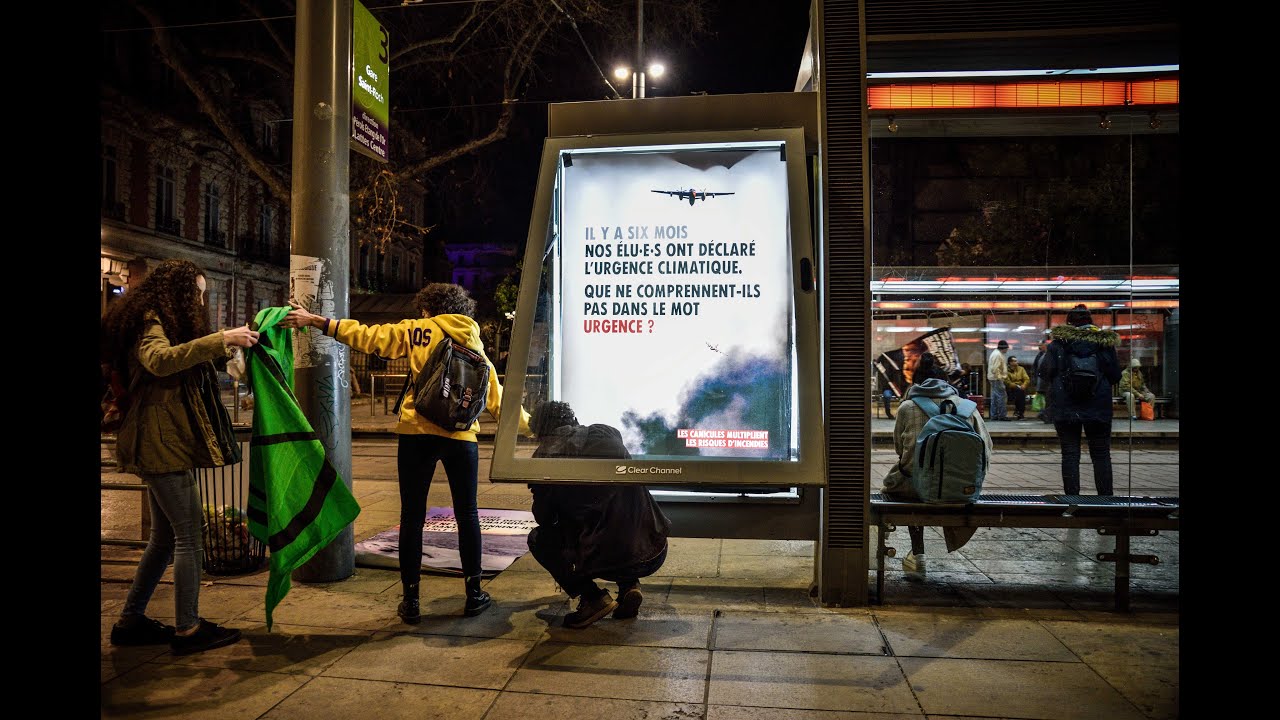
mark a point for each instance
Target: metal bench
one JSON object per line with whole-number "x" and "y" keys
{"x": 1116, "y": 515}
{"x": 1158, "y": 404}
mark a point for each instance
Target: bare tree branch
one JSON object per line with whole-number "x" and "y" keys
{"x": 518, "y": 64}
{"x": 272, "y": 65}
{"x": 280, "y": 43}
{"x": 397, "y": 56}
{"x": 173, "y": 56}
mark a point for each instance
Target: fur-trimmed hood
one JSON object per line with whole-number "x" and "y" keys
{"x": 1086, "y": 333}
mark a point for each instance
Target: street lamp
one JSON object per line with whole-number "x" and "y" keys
{"x": 638, "y": 70}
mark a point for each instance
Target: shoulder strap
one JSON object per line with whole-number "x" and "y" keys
{"x": 929, "y": 407}
{"x": 408, "y": 380}
{"x": 962, "y": 407}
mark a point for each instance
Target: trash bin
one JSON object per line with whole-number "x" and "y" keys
{"x": 229, "y": 549}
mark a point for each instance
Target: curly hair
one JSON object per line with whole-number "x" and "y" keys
{"x": 170, "y": 291}
{"x": 550, "y": 415}
{"x": 444, "y": 299}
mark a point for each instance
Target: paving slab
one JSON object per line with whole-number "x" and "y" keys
{"x": 835, "y": 634}
{"x": 199, "y": 693}
{"x": 326, "y": 698}
{"x": 814, "y": 681}
{"x": 484, "y": 663}
{"x": 611, "y": 671}
{"x": 1021, "y": 689}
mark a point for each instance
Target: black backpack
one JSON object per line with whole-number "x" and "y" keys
{"x": 1081, "y": 376}
{"x": 452, "y": 388}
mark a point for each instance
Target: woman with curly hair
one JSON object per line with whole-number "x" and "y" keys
{"x": 445, "y": 309}
{"x": 158, "y": 338}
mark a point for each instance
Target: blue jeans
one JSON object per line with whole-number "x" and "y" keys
{"x": 998, "y": 408}
{"x": 1099, "y": 436}
{"x": 177, "y": 526}
{"x": 416, "y": 457}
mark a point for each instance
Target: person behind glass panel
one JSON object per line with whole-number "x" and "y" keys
{"x": 932, "y": 385}
{"x": 1132, "y": 387}
{"x": 997, "y": 373}
{"x": 1017, "y": 385}
{"x": 1082, "y": 406}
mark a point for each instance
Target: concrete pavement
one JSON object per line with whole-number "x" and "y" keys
{"x": 1017, "y": 624}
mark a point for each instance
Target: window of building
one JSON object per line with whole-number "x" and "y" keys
{"x": 266, "y": 135}
{"x": 213, "y": 215}
{"x": 266, "y": 222}
{"x": 109, "y": 196}
{"x": 165, "y": 188}
{"x": 413, "y": 273}
{"x": 395, "y": 268}
{"x": 378, "y": 270}
{"x": 362, "y": 275}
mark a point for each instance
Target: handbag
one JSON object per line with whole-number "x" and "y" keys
{"x": 1146, "y": 411}
{"x": 1037, "y": 402}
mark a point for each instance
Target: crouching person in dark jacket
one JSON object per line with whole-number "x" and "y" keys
{"x": 587, "y": 532}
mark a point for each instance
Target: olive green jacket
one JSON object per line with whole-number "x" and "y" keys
{"x": 175, "y": 420}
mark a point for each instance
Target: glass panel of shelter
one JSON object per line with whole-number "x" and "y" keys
{"x": 979, "y": 240}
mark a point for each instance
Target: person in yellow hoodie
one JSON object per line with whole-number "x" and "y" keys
{"x": 445, "y": 309}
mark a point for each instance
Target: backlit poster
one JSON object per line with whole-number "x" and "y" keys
{"x": 673, "y": 268}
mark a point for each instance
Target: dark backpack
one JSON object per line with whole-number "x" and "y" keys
{"x": 950, "y": 456}
{"x": 1081, "y": 376}
{"x": 452, "y": 387}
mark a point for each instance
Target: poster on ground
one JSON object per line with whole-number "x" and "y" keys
{"x": 503, "y": 539}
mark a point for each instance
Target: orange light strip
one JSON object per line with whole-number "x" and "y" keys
{"x": 1077, "y": 93}
{"x": 1020, "y": 304}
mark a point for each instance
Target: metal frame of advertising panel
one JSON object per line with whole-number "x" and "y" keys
{"x": 733, "y": 383}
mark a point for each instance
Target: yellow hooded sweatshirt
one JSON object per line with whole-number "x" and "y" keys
{"x": 416, "y": 339}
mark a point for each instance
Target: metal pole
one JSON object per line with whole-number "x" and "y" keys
{"x": 320, "y": 248}
{"x": 639, "y": 71}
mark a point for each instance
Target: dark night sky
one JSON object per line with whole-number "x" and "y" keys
{"x": 755, "y": 46}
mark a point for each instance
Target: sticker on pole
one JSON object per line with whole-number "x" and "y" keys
{"x": 311, "y": 286}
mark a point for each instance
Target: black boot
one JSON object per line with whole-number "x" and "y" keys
{"x": 408, "y": 610}
{"x": 477, "y": 600}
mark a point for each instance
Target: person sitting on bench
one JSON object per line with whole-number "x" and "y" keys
{"x": 1133, "y": 387}
{"x": 930, "y": 382}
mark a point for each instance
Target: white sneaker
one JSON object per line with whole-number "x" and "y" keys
{"x": 913, "y": 567}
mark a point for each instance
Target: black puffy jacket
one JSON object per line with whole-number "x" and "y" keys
{"x": 600, "y": 527}
{"x": 1080, "y": 340}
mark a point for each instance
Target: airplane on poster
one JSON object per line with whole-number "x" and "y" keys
{"x": 690, "y": 194}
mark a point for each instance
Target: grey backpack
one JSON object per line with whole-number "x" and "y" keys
{"x": 950, "y": 456}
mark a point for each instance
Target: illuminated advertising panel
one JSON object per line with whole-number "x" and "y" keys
{"x": 676, "y": 300}
{"x": 665, "y": 317}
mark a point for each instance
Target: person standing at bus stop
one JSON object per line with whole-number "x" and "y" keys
{"x": 1081, "y": 367}
{"x": 997, "y": 373}
{"x": 444, "y": 309}
{"x": 158, "y": 337}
